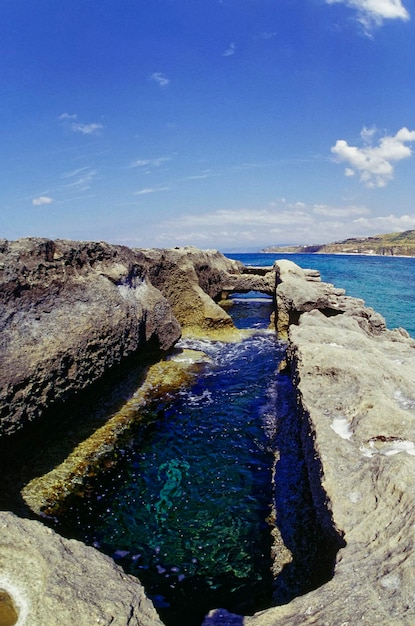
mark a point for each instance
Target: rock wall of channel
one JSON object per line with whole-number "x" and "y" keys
{"x": 356, "y": 396}
{"x": 71, "y": 312}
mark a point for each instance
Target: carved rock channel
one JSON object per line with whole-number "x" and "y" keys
{"x": 72, "y": 312}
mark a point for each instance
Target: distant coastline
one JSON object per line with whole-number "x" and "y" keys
{"x": 391, "y": 244}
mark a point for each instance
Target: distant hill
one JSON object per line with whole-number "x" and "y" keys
{"x": 392, "y": 244}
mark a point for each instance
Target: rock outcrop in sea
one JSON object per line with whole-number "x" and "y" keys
{"x": 73, "y": 312}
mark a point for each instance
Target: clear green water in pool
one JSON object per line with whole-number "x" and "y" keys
{"x": 185, "y": 508}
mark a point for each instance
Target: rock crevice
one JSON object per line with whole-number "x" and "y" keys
{"x": 356, "y": 395}
{"x": 72, "y": 311}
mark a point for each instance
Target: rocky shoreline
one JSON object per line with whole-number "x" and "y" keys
{"x": 401, "y": 244}
{"x": 74, "y": 311}
{"x": 356, "y": 395}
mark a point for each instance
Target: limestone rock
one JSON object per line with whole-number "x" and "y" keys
{"x": 52, "y": 580}
{"x": 73, "y": 310}
{"x": 356, "y": 395}
{"x": 191, "y": 280}
{"x": 70, "y": 311}
{"x": 299, "y": 291}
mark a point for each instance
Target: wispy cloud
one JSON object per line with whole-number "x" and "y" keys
{"x": 230, "y": 50}
{"x": 150, "y": 162}
{"x": 200, "y": 176}
{"x": 76, "y": 172}
{"x": 86, "y": 129}
{"x": 374, "y": 163}
{"x": 78, "y": 127}
{"x": 68, "y": 116}
{"x": 385, "y": 224}
{"x": 280, "y": 222}
{"x": 41, "y": 200}
{"x": 160, "y": 78}
{"x": 267, "y": 35}
{"x": 80, "y": 179}
{"x": 148, "y": 190}
{"x": 373, "y": 12}
{"x": 344, "y": 212}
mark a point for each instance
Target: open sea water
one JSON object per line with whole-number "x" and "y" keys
{"x": 386, "y": 283}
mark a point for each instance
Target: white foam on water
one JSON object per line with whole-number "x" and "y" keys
{"x": 341, "y": 427}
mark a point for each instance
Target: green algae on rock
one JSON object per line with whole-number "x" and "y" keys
{"x": 46, "y": 493}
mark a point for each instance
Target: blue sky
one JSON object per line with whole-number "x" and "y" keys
{"x": 229, "y": 124}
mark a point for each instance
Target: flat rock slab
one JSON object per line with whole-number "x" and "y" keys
{"x": 52, "y": 580}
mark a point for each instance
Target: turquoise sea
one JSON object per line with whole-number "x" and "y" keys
{"x": 385, "y": 283}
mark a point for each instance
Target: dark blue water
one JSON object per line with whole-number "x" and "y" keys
{"x": 187, "y": 503}
{"x": 385, "y": 283}
{"x": 185, "y": 508}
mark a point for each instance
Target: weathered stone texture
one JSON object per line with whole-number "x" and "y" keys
{"x": 69, "y": 312}
{"x": 52, "y": 580}
{"x": 190, "y": 279}
{"x": 299, "y": 291}
{"x": 356, "y": 393}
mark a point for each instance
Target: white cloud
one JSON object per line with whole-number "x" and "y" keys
{"x": 329, "y": 211}
{"x": 205, "y": 174}
{"x": 267, "y": 35}
{"x": 385, "y": 224}
{"x": 41, "y": 200}
{"x": 160, "y": 78}
{"x": 375, "y": 163}
{"x": 374, "y": 12}
{"x": 86, "y": 129}
{"x": 150, "y": 162}
{"x": 281, "y": 222}
{"x": 76, "y": 172}
{"x": 68, "y": 116}
{"x": 81, "y": 178}
{"x": 78, "y": 127}
{"x": 148, "y": 190}
{"x": 230, "y": 50}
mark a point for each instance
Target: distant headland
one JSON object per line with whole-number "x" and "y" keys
{"x": 391, "y": 244}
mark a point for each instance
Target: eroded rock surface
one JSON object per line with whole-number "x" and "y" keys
{"x": 51, "y": 580}
{"x": 299, "y": 291}
{"x": 356, "y": 393}
{"x": 70, "y": 311}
